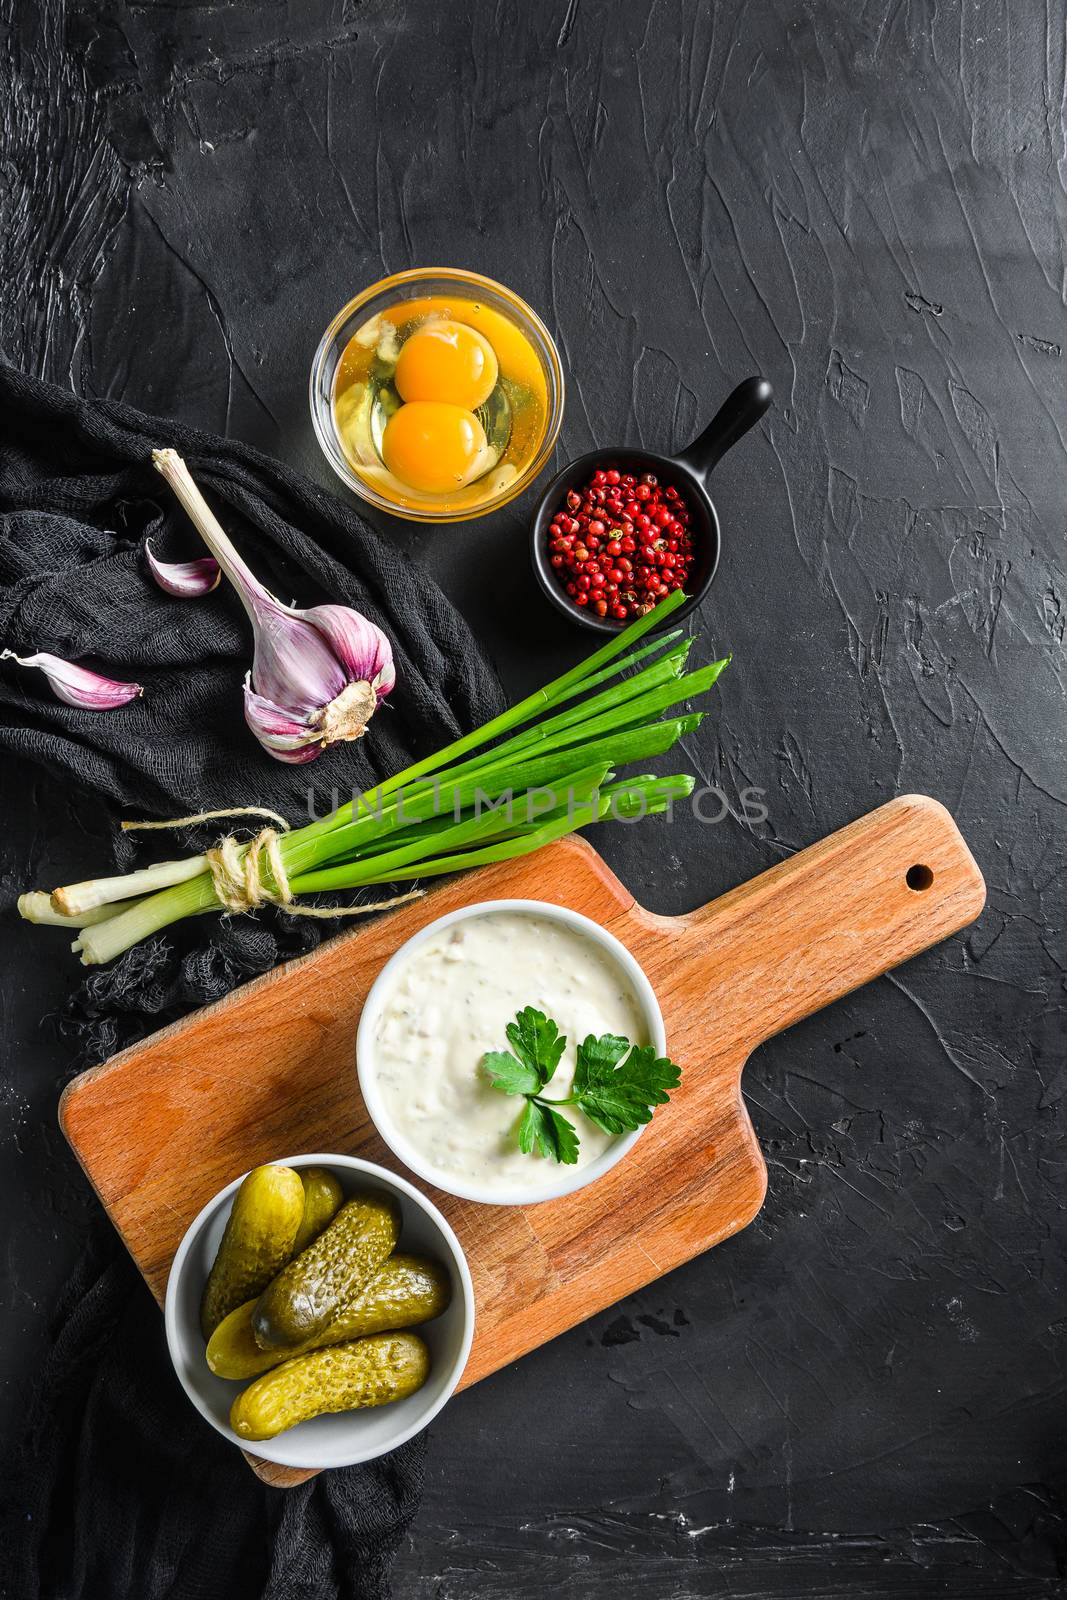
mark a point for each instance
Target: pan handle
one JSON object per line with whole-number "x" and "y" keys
{"x": 739, "y": 412}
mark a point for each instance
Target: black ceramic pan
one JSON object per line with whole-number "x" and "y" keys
{"x": 690, "y": 471}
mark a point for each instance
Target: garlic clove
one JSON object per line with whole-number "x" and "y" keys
{"x": 186, "y": 579}
{"x": 292, "y": 665}
{"x": 78, "y": 686}
{"x": 282, "y": 735}
{"x": 359, "y": 645}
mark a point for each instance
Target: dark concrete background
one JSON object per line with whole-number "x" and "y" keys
{"x": 863, "y": 1394}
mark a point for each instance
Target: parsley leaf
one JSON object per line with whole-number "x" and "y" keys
{"x": 616, "y": 1084}
{"x": 537, "y": 1042}
{"x": 543, "y": 1132}
{"x": 596, "y": 1058}
{"x": 509, "y": 1075}
{"x": 619, "y": 1095}
{"x": 538, "y": 1046}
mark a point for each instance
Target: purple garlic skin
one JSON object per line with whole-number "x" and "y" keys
{"x": 187, "y": 580}
{"x": 78, "y": 686}
{"x": 317, "y": 679}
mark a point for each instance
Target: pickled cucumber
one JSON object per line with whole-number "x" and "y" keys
{"x": 344, "y": 1377}
{"x": 307, "y": 1294}
{"x": 322, "y": 1200}
{"x": 258, "y": 1241}
{"x": 407, "y": 1290}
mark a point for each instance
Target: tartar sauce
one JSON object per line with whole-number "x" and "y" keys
{"x": 451, "y": 1002}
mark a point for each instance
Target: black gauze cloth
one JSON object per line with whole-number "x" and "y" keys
{"x": 78, "y": 498}
{"x": 123, "y": 1491}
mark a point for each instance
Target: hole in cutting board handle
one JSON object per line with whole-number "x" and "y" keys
{"x": 918, "y": 877}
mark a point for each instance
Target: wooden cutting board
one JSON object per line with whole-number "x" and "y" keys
{"x": 270, "y": 1069}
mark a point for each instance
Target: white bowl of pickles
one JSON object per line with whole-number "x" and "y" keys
{"x": 319, "y": 1311}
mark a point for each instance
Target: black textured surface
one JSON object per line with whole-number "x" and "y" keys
{"x": 862, "y": 1395}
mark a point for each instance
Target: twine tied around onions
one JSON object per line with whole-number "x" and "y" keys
{"x": 237, "y": 870}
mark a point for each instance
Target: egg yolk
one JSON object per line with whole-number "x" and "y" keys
{"x": 447, "y": 361}
{"x": 434, "y": 447}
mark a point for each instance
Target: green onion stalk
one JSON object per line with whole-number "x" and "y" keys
{"x": 546, "y": 767}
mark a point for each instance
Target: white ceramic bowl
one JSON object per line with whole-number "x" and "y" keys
{"x": 547, "y": 1181}
{"x": 347, "y": 1437}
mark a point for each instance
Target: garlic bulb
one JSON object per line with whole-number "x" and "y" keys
{"x": 78, "y": 686}
{"x": 317, "y": 676}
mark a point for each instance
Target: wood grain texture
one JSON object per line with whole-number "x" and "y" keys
{"x": 270, "y": 1070}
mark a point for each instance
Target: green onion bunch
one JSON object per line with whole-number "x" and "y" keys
{"x": 547, "y": 767}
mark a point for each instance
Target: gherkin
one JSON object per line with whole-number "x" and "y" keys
{"x": 406, "y": 1291}
{"x": 306, "y": 1295}
{"x": 322, "y": 1200}
{"x": 343, "y": 1377}
{"x": 258, "y": 1241}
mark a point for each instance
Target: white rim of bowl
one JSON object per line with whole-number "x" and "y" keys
{"x": 270, "y": 1449}
{"x": 572, "y": 1178}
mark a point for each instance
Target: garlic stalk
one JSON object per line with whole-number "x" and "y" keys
{"x": 317, "y": 675}
{"x": 77, "y": 686}
{"x": 185, "y": 579}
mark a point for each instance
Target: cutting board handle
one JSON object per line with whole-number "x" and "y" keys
{"x": 832, "y": 918}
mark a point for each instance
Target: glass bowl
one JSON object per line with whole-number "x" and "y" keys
{"x": 439, "y": 283}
